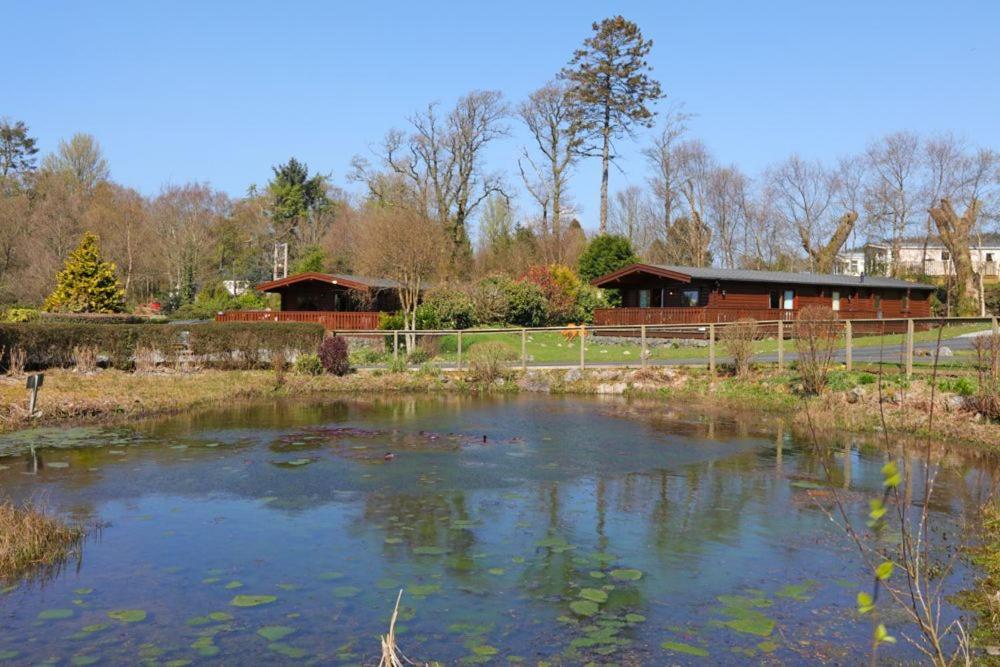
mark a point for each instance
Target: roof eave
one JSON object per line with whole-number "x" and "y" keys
{"x": 640, "y": 268}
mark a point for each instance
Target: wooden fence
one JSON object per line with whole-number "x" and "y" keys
{"x": 780, "y": 330}
{"x": 331, "y": 320}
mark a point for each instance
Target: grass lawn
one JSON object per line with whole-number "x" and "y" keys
{"x": 550, "y": 347}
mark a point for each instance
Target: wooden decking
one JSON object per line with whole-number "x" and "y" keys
{"x": 615, "y": 316}
{"x": 331, "y": 320}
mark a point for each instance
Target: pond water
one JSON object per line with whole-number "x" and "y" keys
{"x": 520, "y": 529}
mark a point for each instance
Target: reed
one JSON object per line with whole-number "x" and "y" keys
{"x": 33, "y": 543}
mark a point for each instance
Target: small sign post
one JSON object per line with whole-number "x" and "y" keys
{"x": 33, "y": 384}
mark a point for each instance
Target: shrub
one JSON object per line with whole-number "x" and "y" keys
{"x": 816, "y": 338}
{"x": 242, "y": 343}
{"x": 215, "y": 298}
{"x": 417, "y": 357}
{"x": 490, "y": 300}
{"x": 446, "y": 307}
{"x": 526, "y": 305}
{"x": 308, "y": 364}
{"x": 398, "y": 365}
{"x": 146, "y": 358}
{"x": 20, "y": 315}
{"x": 488, "y": 361}
{"x": 588, "y": 299}
{"x": 737, "y": 340}
{"x": 333, "y": 354}
{"x": 987, "y": 399}
{"x": 368, "y": 355}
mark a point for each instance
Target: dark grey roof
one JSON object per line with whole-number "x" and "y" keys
{"x": 383, "y": 283}
{"x": 793, "y": 278}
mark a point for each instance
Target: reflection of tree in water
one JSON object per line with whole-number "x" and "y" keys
{"x": 420, "y": 521}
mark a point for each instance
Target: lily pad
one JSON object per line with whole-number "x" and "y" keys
{"x": 83, "y": 660}
{"x": 686, "y": 649}
{"x": 583, "y": 607}
{"x": 626, "y": 574}
{"x": 594, "y": 595}
{"x": 287, "y": 650}
{"x": 345, "y": 591}
{"x": 485, "y": 649}
{"x": 128, "y": 615}
{"x": 635, "y": 618}
{"x": 252, "y": 600}
{"x": 330, "y": 576}
{"x": 234, "y": 584}
{"x": 430, "y": 551}
{"x": 797, "y": 592}
{"x": 55, "y": 614}
{"x": 220, "y": 616}
{"x": 275, "y": 633}
{"x": 83, "y": 591}
{"x": 422, "y": 590}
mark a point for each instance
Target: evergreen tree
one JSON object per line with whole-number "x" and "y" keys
{"x": 87, "y": 283}
{"x": 610, "y": 89}
{"x": 17, "y": 150}
{"x": 605, "y": 254}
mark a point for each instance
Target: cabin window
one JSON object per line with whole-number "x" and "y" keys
{"x": 835, "y": 300}
{"x": 905, "y": 302}
{"x": 644, "y": 298}
{"x": 788, "y": 302}
{"x": 945, "y": 255}
{"x": 877, "y": 302}
{"x": 775, "y": 299}
{"x": 690, "y": 297}
{"x": 989, "y": 257}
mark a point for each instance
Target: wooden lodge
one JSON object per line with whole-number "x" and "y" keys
{"x": 654, "y": 294}
{"x": 337, "y": 301}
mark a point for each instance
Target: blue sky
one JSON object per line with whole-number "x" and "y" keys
{"x": 220, "y": 91}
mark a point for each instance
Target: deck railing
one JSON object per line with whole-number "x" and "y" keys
{"x": 705, "y": 315}
{"x": 331, "y": 320}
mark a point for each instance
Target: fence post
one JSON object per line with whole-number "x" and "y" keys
{"x": 781, "y": 344}
{"x": 848, "y": 345}
{"x": 395, "y": 344}
{"x": 524, "y": 350}
{"x": 644, "y": 351}
{"x": 583, "y": 336}
{"x": 459, "y": 349}
{"x": 996, "y": 332}
{"x": 909, "y": 348}
{"x": 711, "y": 348}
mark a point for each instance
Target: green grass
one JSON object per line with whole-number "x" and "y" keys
{"x": 550, "y": 347}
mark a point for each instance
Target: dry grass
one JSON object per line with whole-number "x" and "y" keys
{"x": 17, "y": 359}
{"x": 738, "y": 341}
{"x": 145, "y": 359}
{"x": 85, "y": 358}
{"x": 391, "y": 655}
{"x": 33, "y": 543}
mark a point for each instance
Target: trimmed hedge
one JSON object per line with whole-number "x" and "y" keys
{"x": 51, "y": 344}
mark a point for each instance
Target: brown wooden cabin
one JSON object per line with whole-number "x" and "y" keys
{"x": 337, "y": 301}
{"x": 655, "y": 294}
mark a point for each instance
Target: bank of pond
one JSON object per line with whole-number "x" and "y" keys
{"x": 520, "y": 528}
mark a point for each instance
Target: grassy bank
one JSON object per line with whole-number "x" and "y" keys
{"x": 984, "y": 597}
{"x": 852, "y": 402}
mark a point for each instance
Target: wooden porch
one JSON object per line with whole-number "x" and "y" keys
{"x": 330, "y": 319}
{"x": 706, "y": 315}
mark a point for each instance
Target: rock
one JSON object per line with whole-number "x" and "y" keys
{"x": 611, "y": 389}
{"x": 953, "y": 403}
{"x": 573, "y": 375}
{"x": 606, "y": 375}
{"x": 855, "y": 395}
{"x": 945, "y": 351}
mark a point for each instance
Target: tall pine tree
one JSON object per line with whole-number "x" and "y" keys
{"x": 87, "y": 283}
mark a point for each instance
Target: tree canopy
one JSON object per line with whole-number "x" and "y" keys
{"x": 604, "y": 254}
{"x": 87, "y": 283}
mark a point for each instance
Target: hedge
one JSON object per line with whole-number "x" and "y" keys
{"x": 233, "y": 343}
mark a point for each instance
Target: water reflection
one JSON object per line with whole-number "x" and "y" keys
{"x": 580, "y": 529}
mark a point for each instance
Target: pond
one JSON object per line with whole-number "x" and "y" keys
{"x": 520, "y": 529}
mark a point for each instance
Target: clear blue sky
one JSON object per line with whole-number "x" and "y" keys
{"x": 220, "y": 91}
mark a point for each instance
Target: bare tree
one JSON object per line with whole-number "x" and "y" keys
{"x": 894, "y": 192}
{"x": 806, "y": 197}
{"x": 661, "y": 156}
{"x": 80, "y": 158}
{"x": 548, "y": 115}
{"x": 632, "y": 217}
{"x": 442, "y": 160}
{"x": 695, "y": 166}
{"x": 955, "y": 232}
{"x": 725, "y": 197}
{"x": 402, "y": 244}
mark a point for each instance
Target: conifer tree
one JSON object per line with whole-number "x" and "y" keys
{"x": 87, "y": 283}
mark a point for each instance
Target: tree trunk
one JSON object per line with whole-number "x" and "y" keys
{"x": 823, "y": 258}
{"x": 605, "y": 160}
{"x": 955, "y": 232}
